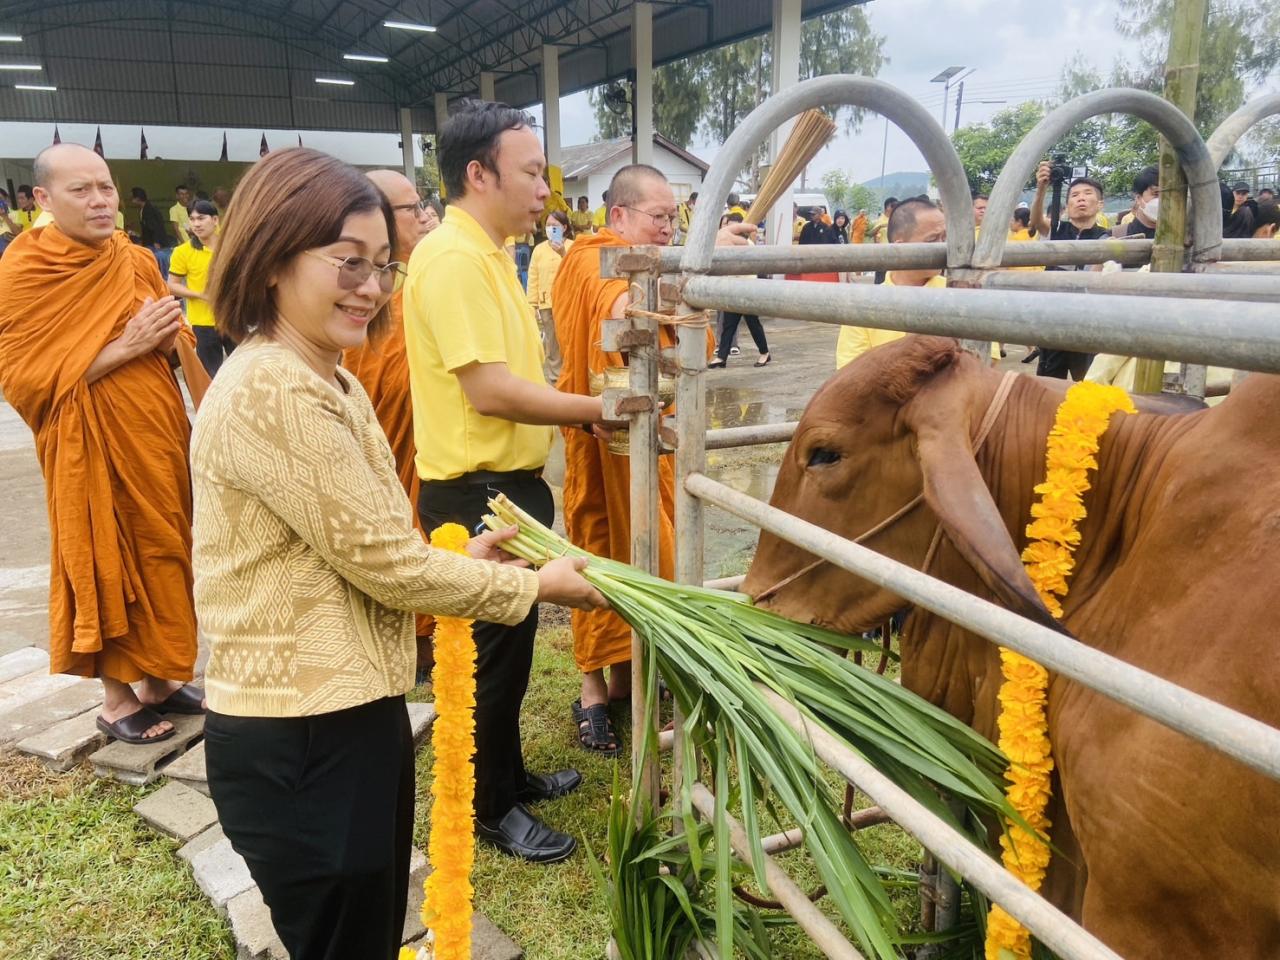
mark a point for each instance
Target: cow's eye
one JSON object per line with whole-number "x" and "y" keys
{"x": 821, "y": 457}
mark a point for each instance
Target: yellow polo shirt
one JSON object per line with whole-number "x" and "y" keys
{"x": 463, "y": 304}
{"x": 855, "y": 341}
{"x": 580, "y": 220}
{"x": 191, "y": 266}
{"x": 26, "y": 218}
{"x": 178, "y": 214}
{"x": 600, "y": 218}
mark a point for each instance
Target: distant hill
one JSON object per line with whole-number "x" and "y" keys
{"x": 903, "y": 183}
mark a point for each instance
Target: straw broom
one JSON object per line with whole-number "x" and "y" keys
{"x": 810, "y": 134}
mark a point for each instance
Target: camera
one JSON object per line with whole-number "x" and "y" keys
{"x": 1059, "y": 172}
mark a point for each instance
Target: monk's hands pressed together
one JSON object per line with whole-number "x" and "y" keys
{"x": 488, "y": 546}
{"x": 154, "y": 327}
{"x": 559, "y": 581}
{"x": 736, "y": 235}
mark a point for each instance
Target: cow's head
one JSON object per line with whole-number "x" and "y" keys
{"x": 895, "y": 422}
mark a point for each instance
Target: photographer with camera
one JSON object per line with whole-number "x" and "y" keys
{"x": 1084, "y": 203}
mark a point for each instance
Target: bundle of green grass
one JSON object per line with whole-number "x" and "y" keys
{"x": 717, "y": 652}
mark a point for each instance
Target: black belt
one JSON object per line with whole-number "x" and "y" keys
{"x": 487, "y": 477}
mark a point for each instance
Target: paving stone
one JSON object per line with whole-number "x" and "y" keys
{"x": 141, "y": 763}
{"x": 418, "y": 870}
{"x": 221, "y": 873}
{"x": 177, "y": 810}
{"x": 189, "y": 769}
{"x": 11, "y": 641}
{"x": 22, "y": 661}
{"x": 200, "y": 842}
{"x": 32, "y": 686}
{"x": 251, "y": 925}
{"x": 487, "y": 941}
{"x": 421, "y": 718}
{"x": 42, "y": 715}
{"x": 66, "y": 743}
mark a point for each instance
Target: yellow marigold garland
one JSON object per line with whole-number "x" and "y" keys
{"x": 446, "y": 908}
{"x": 1081, "y": 420}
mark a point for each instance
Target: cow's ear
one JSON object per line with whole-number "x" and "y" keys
{"x": 955, "y": 491}
{"x": 917, "y": 362}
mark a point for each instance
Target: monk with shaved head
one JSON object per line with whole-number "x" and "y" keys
{"x": 89, "y": 340}
{"x": 642, "y": 210}
{"x": 382, "y": 365}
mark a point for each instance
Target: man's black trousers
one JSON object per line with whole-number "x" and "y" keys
{"x": 504, "y": 655}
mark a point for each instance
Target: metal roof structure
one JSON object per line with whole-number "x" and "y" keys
{"x": 583, "y": 159}
{"x": 256, "y": 64}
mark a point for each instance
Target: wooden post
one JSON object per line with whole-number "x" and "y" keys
{"x": 1181, "y": 71}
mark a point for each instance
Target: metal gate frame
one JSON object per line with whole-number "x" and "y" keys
{"x": 1185, "y": 324}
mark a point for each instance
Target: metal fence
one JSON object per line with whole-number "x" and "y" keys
{"x": 1203, "y": 316}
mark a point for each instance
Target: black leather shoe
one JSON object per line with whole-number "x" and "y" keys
{"x": 539, "y": 787}
{"x": 521, "y": 834}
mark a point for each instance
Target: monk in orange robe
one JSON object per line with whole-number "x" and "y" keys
{"x": 382, "y": 366}
{"x": 597, "y": 483}
{"x": 88, "y": 339}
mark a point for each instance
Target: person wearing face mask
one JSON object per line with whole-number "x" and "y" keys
{"x": 310, "y": 570}
{"x": 482, "y": 418}
{"x": 90, "y": 339}
{"x": 543, "y": 267}
{"x": 189, "y": 278}
{"x": 642, "y": 210}
{"x": 1141, "y": 221}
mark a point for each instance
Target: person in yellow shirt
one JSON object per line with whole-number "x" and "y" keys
{"x": 178, "y": 217}
{"x": 733, "y": 204}
{"x": 580, "y": 219}
{"x": 28, "y": 210}
{"x": 543, "y": 266}
{"x": 913, "y": 221}
{"x": 600, "y": 219}
{"x": 482, "y": 419}
{"x": 188, "y": 279}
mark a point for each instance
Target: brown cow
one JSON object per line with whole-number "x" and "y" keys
{"x": 1164, "y": 848}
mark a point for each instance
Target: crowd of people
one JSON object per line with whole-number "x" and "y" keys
{"x": 366, "y": 366}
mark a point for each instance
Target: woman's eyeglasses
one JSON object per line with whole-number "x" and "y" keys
{"x": 354, "y": 271}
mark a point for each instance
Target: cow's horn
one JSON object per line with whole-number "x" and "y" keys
{"x": 955, "y": 491}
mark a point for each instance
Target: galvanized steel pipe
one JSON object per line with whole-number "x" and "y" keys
{"x": 1193, "y": 156}
{"x": 1244, "y": 336}
{"x": 1194, "y": 286}
{"x": 1228, "y": 731}
{"x": 1229, "y": 132}
{"x": 1053, "y": 928}
{"x": 839, "y": 90}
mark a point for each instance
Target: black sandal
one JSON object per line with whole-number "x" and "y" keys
{"x": 595, "y": 729}
{"x": 133, "y": 728}
{"x": 715, "y": 365}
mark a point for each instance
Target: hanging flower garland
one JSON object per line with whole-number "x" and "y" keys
{"x": 446, "y": 909}
{"x": 1082, "y": 418}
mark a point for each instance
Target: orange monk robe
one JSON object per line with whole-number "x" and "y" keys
{"x": 113, "y": 454}
{"x": 597, "y": 483}
{"x": 382, "y": 367}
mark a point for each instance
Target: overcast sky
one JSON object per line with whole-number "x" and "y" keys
{"x": 1018, "y": 47}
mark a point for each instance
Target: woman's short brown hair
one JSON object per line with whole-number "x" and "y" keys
{"x": 289, "y": 201}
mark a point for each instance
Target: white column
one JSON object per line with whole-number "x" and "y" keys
{"x": 786, "y": 73}
{"x": 442, "y": 110}
{"x": 486, "y": 85}
{"x": 406, "y": 143}
{"x": 551, "y": 102}
{"x": 642, "y": 58}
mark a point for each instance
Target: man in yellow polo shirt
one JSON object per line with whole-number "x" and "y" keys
{"x": 28, "y": 210}
{"x": 912, "y": 221}
{"x": 482, "y": 418}
{"x": 179, "y": 219}
{"x": 600, "y": 219}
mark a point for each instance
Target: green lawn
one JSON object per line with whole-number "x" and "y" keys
{"x": 82, "y": 878}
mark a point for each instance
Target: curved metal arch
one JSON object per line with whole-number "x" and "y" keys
{"x": 842, "y": 90}
{"x": 1223, "y": 140}
{"x": 1172, "y": 123}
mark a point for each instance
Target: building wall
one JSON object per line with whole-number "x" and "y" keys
{"x": 685, "y": 178}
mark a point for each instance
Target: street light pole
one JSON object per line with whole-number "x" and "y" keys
{"x": 945, "y": 78}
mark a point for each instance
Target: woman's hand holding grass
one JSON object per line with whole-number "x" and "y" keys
{"x": 561, "y": 581}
